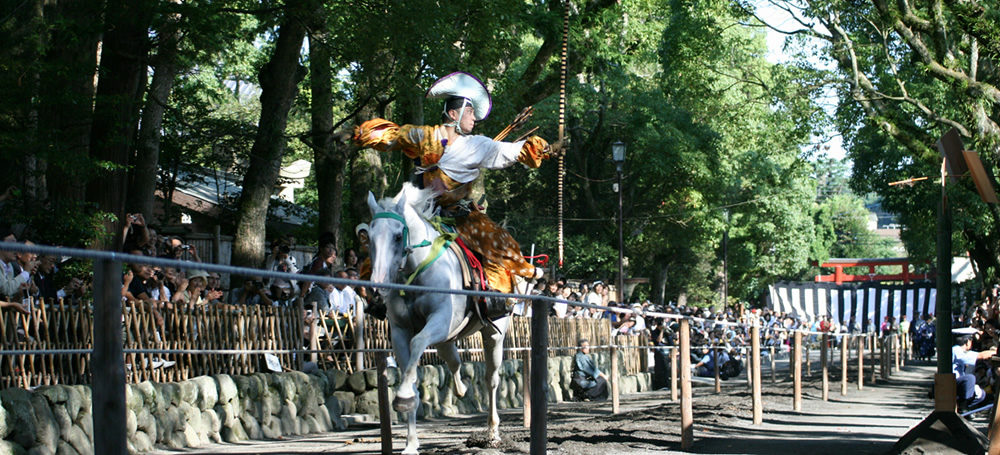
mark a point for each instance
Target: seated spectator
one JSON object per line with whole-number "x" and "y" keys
{"x": 27, "y": 262}
{"x": 706, "y": 366}
{"x": 281, "y": 260}
{"x": 195, "y": 292}
{"x": 963, "y": 364}
{"x": 325, "y": 259}
{"x": 351, "y": 259}
{"x": 74, "y": 290}
{"x": 45, "y": 277}
{"x": 318, "y": 298}
{"x": 342, "y": 297}
{"x": 588, "y": 383}
{"x": 283, "y": 294}
{"x": 214, "y": 287}
{"x": 253, "y": 292}
{"x": 139, "y": 285}
{"x": 12, "y": 280}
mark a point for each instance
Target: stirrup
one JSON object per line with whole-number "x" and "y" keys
{"x": 493, "y": 308}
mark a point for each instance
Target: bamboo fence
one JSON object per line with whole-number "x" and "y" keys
{"x": 65, "y": 325}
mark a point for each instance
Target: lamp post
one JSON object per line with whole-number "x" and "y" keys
{"x": 618, "y": 156}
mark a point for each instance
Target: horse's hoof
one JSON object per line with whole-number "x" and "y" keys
{"x": 404, "y": 404}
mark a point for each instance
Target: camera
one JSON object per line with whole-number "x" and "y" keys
{"x": 185, "y": 247}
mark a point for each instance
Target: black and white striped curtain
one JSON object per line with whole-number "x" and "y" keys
{"x": 864, "y": 301}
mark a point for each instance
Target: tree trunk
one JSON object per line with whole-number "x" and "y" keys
{"x": 658, "y": 288}
{"x": 367, "y": 175}
{"x": 123, "y": 66}
{"x": 67, "y": 94}
{"x": 329, "y": 163}
{"x": 279, "y": 80}
{"x": 142, "y": 188}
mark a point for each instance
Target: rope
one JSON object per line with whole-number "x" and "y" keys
{"x": 138, "y": 259}
{"x": 563, "y": 70}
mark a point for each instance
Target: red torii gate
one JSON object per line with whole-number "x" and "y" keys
{"x": 840, "y": 277}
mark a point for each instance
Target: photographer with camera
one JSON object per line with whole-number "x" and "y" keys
{"x": 281, "y": 260}
{"x": 176, "y": 248}
{"x": 253, "y": 292}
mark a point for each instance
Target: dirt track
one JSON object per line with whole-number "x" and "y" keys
{"x": 867, "y": 421}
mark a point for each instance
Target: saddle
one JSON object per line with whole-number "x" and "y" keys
{"x": 487, "y": 309}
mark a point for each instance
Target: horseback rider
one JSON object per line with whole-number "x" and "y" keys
{"x": 449, "y": 159}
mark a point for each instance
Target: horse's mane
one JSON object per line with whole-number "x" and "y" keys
{"x": 420, "y": 200}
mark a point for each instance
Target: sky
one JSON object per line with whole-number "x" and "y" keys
{"x": 776, "y": 54}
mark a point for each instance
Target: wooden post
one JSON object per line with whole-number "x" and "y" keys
{"x": 797, "y": 372}
{"x": 805, "y": 348}
{"x": 896, "y": 345}
{"x": 673, "y": 372}
{"x": 107, "y": 360}
{"x": 873, "y": 340}
{"x": 904, "y": 350}
{"x": 826, "y": 377}
{"x": 715, "y": 360}
{"x": 774, "y": 377}
{"x": 539, "y": 375}
{"x": 843, "y": 363}
{"x": 615, "y": 403}
{"x": 994, "y": 430}
{"x": 861, "y": 361}
{"x": 359, "y": 333}
{"x": 526, "y": 389}
{"x": 758, "y": 404}
{"x": 687, "y": 416}
{"x": 884, "y": 356}
{"x": 750, "y": 368}
{"x": 384, "y": 418}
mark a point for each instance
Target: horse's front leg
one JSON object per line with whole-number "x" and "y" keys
{"x": 493, "y": 350}
{"x": 401, "y": 347}
{"x": 434, "y": 331}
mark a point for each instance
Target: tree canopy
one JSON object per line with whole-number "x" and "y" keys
{"x": 719, "y": 139}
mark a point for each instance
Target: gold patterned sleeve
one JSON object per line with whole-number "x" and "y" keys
{"x": 384, "y": 136}
{"x": 533, "y": 151}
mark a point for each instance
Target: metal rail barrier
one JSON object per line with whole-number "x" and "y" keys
{"x": 108, "y": 353}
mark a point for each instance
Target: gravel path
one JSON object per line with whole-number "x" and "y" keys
{"x": 867, "y": 421}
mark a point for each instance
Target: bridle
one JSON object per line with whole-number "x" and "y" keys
{"x": 438, "y": 246}
{"x": 406, "y": 231}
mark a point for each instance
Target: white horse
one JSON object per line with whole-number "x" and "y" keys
{"x": 400, "y": 237}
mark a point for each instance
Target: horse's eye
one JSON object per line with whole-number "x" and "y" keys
{"x": 398, "y": 237}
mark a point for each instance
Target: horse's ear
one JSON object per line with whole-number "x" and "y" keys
{"x": 372, "y": 205}
{"x": 401, "y": 204}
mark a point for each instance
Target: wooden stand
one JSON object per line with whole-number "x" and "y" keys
{"x": 797, "y": 373}
{"x": 826, "y": 376}
{"x": 384, "y": 419}
{"x": 861, "y": 362}
{"x": 843, "y": 364}
{"x": 615, "y": 403}
{"x": 774, "y": 377}
{"x": 673, "y": 373}
{"x": 758, "y": 404}
{"x": 687, "y": 416}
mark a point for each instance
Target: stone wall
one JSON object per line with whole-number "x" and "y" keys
{"x": 222, "y": 408}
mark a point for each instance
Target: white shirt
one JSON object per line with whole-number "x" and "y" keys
{"x": 342, "y": 300}
{"x": 560, "y": 309}
{"x": 465, "y": 155}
